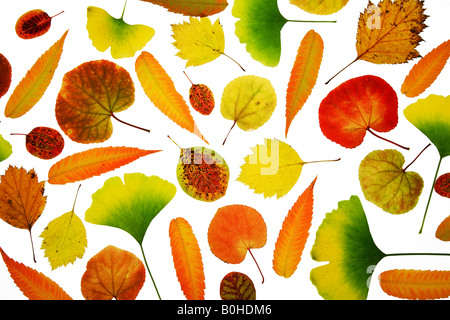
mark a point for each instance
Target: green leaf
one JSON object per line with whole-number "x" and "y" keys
{"x": 386, "y": 184}
{"x": 344, "y": 240}
{"x": 5, "y": 149}
{"x": 106, "y": 31}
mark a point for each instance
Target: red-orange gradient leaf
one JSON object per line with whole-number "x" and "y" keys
{"x": 187, "y": 259}
{"x": 33, "y": 284}
{"x": 33, "y": 24}
{"x": 358, "y": 106}
{"x": 5, "y": 75}
{"x": 294, "y": 234}
{"x": 44, "y": 143}
{"x": 113, "y": 273}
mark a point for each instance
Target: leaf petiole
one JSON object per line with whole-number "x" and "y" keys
{"x": 229, "y": 133}
{"x": 406, "y": 168}
{"x": 313, "y": 21}
{"x": 148, "y": 269}
{"x": 379, "y": 137}
{"x": 128, "y": 124}
{"x": 256, "y": 264}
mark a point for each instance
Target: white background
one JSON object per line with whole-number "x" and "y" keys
{"x": 336, "y": 181}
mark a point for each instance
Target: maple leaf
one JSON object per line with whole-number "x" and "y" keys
{"x": 22, "y": 199}
{"x": 34, "y": 23}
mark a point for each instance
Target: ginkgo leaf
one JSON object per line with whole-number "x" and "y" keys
{"x": 426, "y": 71}
{"x": 235, "y": 230}
{"x": 323, "y": 7}
{"x": 64, "y": 239}
{"x": 389, "y": 32}
{"x": 43, "y": 142}
{"x": 345, "y": 242}
{"x": 160, "y": 89}
{"x": 33, "y": 24}
{"x": 359, "y": 105}
{"x": 199, "y": 41}
{"x": 416, "y": 284}
{"x": 249, "y": 101}
{"x": 5, "y": 149}
{"x": 201, "y": 97}
{"x": 93, "y": 162}
{"x": 124, "y": 39}
{"x": 200, "y": 8}
{"x": 36, "y": 81}
{"x": 33, "y": 284}
{"x": 5, "y": 75}
{"x": 113, "y": 273}
{"x": 237, "y": 286}
{"x": 187, "y": 259}
{"x": 387, "y": 184}
{"x": 442, "y": 185}
{"x": 22, "y": 199}
{"x": 273, "y": 168}
{"x": 304, "y": 74}
{"x": 89, "y": 97}
{"x": 293, "y": 235}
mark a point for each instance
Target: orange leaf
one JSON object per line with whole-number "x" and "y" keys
{"x": 93, "y": 162}
{"x": 201, "y": 8}
{"x": 187, "y": 259}
{"x": 113, "y": 273}
{"x": 160, "y": 89}
{"x": 33, "y": 284}
{"x": 303, "y": 75}
{"x": 426, "y": 70}
{"x": 443, "y": 230}
{"x": 294, "y": 234}
{"x": 416, "y": 284}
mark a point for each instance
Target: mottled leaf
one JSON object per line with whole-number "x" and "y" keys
{"x": 237, "y": 286}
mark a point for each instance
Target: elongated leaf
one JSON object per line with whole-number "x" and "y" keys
{"x": 303, "y": 75}
{"x": 200, "y": 8}
{"x": 36, "y": 81}
{"x": 293, "y": 234}
{"x": 93, "y": 162}
{"x": 33, "y": 284}
{"x": 416, "y": 284}
{"x": 160, "y": 89}
{"x": 187, "y": 259}
{"x": 426, "y": 70}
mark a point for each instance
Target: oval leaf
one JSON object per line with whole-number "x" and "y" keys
{"x": 200, "y": 8}
{"x": 442, "y": 185}
{"x": 44, "y": 143}
{"x": 237, "y": 286}
{"x": 5, "y": 149}
{"x": 443, "y": 230}
{"x": 33, "y": 24}
{"x": 323, "y": 7}
{"x": 5, "y": 75}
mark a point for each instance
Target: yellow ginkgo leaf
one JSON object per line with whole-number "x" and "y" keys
{"x": 124, "y": 39}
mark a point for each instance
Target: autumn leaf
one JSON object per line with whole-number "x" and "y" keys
{"x": 200, "y": 8}
{"x": 443, "y": 230}
{"x": 43, "y": 142}
{"x": 160, "y": 89}
{"x": 322, "y": 7}
{"x": 345, "y": 242}
{"x": 36, "y": 81}
{"x": 201, "y": 97}
{"x": 426, "y": 71}
{"x": 390, "y": 32}
{"x": 34, "y": 23}
{"x": 130, "y": 205}
{"x": 64, "y": 239}
{"x": 304, "y": 74}
{"x": 416, "y": 284}
{"x": 22, "y": 199}
{"x": 113, "y": 273}
{"x": 273, "y": 168}
{"x": 294, "y": 233}
{"x": 124, "y": 39}
{"x": 89, "y": 97}
{"x": 237, "y": 286}
{"x": 5, "y": 149}
{"x": 387, "y": 184}
{"x": 442, "y": 185}
{"x": 5, "y": 75}
{"x": 359, "y": 105}
{"x": 93, "y": 162}
{"x": 33, "y": 284}
{"x": 199, "y": 41}
{"x": 235, "y": 230}
{"x": 187, "y": 259}
{"x": 249, "y": 101}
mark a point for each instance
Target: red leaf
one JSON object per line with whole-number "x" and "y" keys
{"x": 442, "y": 185}
{"x": 5, "y": 75}
{"x": 44, "y": 143}
{"x": 33, "y": 24}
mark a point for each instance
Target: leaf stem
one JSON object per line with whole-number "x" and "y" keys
{"x": 256, "y": 264}
{"x": 32, "y": 245}
{"x": 187, "y": 77}
{"x": 56, "y": 14}
{"x": 406, "y": 168}
{"x": 313, "y": 21}
{"x": 342, "y": 70}
{"x": 233, "y": 60}
{"x": 319, "y": 161}
{"x": 229, "y": 133}
{"x": 148, "y": 269}
{"x": 431, "y": 193}
{"x": 123, "y": 12}
{"x": 128, "y": 124}
{"x": 75, "y": 201}
{"x": 174, "y": 142}
{"x": 379, "y": 137}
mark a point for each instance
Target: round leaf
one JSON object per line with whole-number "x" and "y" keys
{"x": 5, "y": 75}
{"x": 442, "y": 185}
{"x": 237, "y": 286}
{"x": 5, "y": 149}
{"x": 44, "y": 143}
{"x": 323, "y": 7}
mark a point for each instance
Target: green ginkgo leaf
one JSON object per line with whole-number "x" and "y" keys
{"x": 5, "y": 149}
{"x": 344, "y": 240}
{"x": 124, "y": 39}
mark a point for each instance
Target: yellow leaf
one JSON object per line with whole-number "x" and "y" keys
{"x": 64, "y": 239}
{"x": 201, "y": 8}
{"x": 160, "y": 89}
{"x": 323, "y": 7}
{"x": 36, "y": 81}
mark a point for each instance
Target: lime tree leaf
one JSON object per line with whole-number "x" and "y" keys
{"x": 344, "y": 240}
{"x": 124, "y": 39}
{"x": 322, "y": 7}
{"x": 5, "y": 149}
{"x": 249, "y": 101}
{"x": 386, "y": 184}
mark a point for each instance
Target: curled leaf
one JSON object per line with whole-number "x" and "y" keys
{"x": 33, "y": 24}
{"x": 237, "y": 286}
